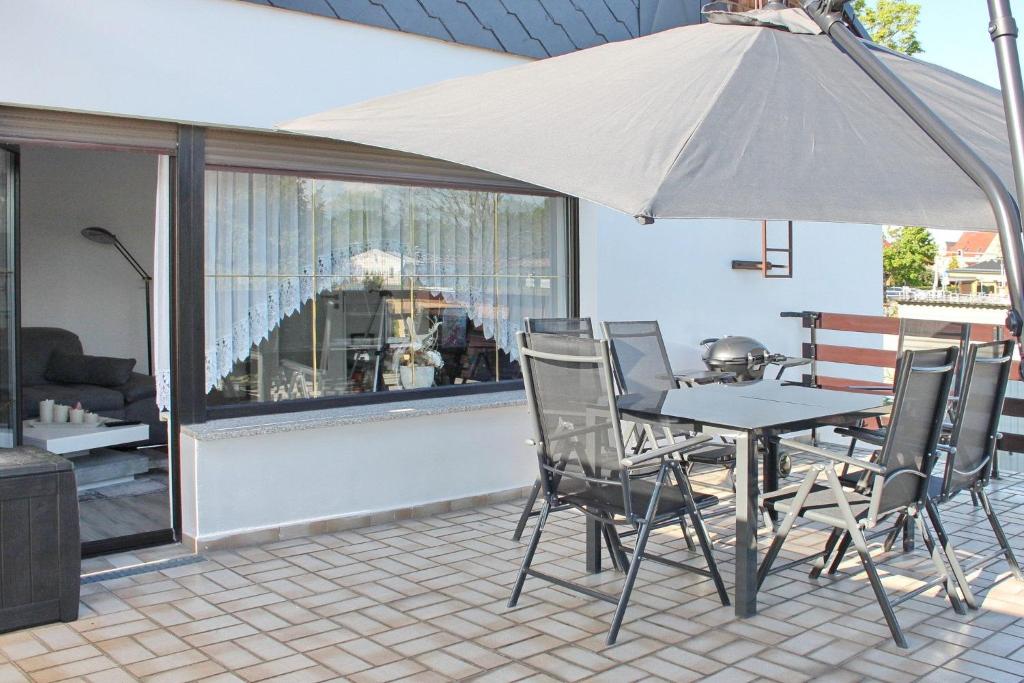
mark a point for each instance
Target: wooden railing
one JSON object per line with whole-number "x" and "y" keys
{"x": 872, "y": 356}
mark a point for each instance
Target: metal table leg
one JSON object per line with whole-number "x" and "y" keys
{"x": 594, "y": 537}
{"x": 770, "y": 470}
{"x": 746, "y": 525}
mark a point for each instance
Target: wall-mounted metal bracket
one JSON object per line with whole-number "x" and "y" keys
{"x": 766, "y": 265}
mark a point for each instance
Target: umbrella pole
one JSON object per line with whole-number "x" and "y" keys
{"x": 1004, "y": 208}
{"x": 1003, "y": 30}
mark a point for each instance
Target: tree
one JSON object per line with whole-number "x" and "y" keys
{"x": 908, "y": 257}
{"x": 892, "y": 23}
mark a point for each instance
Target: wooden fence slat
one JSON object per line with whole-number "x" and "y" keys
{"x": 1013, "y": 407}
{"x": 843, "y": 322}
{"x": 844, "y": 384}
{"x": 1012, "y": 442}
{"x": 853, "y": 355}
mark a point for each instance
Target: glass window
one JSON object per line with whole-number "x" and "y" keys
{"x": 321, "y": 288}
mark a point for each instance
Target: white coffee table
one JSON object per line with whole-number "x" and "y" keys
{"x": 79, "y": 443}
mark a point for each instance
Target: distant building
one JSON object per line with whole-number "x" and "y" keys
{"x": 974, "y": 247}
{"x": 982, "y": 277}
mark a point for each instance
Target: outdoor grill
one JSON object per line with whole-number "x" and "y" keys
{"x": 744, "y": 357}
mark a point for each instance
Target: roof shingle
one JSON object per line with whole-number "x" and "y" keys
{"x": 532, "y": 28}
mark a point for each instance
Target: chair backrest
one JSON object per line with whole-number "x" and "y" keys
{"x": 919, "y": 408}
{"x": 573, "y": 327}
{"x": 571, "y": 395}
{"x": 924, "y": 335}
{"x": 641, "y": 361}
{"x": 976, "y": 427}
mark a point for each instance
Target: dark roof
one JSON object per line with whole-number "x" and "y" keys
{"x": 992, "y": 265}
{"x": 532, "y": 28}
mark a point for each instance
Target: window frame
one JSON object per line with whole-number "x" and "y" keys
{"x": 240, "y": 410}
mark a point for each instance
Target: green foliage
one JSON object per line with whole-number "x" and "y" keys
{"x": 907, "y": 259}
{"x": 892, "y": 23}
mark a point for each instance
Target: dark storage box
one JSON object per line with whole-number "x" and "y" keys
{"x": 40, "y": 555}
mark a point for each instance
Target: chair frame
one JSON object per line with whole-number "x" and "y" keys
{"x": 641, "y": 521}
{"x": 535, "y": 326}
{"x": 980, "y": 475}
{"x": 847, "y": 528}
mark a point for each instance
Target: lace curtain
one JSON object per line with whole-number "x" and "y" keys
{"x": 161, "y": 284}
{"x": 274, "y": 241}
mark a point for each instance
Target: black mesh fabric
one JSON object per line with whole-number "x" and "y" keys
{"x": 640, "y": 355}
{"x": 573, "y": 327}
{"x": 918, "y": 410}
{"x": 925, "y": 335}
{"x": 978, "y": 414}
{"x": 574, "y": 411}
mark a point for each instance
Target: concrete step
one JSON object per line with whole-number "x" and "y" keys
{"x": 103, "y": 466}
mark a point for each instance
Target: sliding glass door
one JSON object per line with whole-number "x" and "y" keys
{"x": 9, "y": 424}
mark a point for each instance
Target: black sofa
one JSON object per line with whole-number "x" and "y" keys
{"x": 132, "y": 400}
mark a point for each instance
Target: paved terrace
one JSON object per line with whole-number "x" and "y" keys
{"x": 424, "y": 600}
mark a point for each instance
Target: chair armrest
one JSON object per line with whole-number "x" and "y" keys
{"x": 678, "y": 447}
{"x": 837, "y": 457}
{"x": 856, "y": 387}
{"x": 792, "y": 362}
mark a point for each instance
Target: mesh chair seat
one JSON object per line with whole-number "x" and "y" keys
{"x": 607, "y": 498}
{"x": 875, "y": 437}
{"x": 714, "y": 454}
{"x": 820, "y": 504}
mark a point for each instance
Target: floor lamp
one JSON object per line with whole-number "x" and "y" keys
{"x": 104, "y": 236}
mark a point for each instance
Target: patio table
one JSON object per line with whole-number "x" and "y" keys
{"x": 747, "y": 412}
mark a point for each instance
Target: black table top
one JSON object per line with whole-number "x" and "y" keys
{"x": 767, "y": 405}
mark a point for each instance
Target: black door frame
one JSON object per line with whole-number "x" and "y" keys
{"x": 128, "y": 542}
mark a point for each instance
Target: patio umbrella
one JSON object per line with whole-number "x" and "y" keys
{"x": 762, "y": 117}
{"x": 705, "y": 121}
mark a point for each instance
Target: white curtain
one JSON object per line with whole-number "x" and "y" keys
{"x": 273, "y": 241}
{"x": 161, "y": 284}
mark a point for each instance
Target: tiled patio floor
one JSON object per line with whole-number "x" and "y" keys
{"x": 425, "y": 600}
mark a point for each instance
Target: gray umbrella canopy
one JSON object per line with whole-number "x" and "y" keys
{"x": 706, "y": 121}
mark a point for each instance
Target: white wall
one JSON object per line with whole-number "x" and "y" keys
{"x": 211, "y": 61}
{"x": 238, "y": 64}
{"x": 237, "y": 486}
{"x": 679, "y": 273}
{"x": 68, "y": 281}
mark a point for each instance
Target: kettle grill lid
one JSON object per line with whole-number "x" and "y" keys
{"x": 734, "y": 349}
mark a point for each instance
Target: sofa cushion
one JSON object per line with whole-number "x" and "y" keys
{"x": 138, "y": 387}
{"x": 70, "y": 368}
{"x": 37, "y": 344}
{"x": 94, "y": 398}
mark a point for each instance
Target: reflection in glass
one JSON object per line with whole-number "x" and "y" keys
{"x": 326, "y": 288}
{"x": 8, "y": 198}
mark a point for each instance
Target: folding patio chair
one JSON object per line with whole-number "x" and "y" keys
{"x": 572, "y": 327}
{"x": 970, "y": 452}
{"x": 898, "y": 481}
{"x": 584, "y": 465}
{"x": 916, "y": 335}
{"x": 642, "y": 366}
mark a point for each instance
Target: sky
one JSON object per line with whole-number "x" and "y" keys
{"x": 954, "y": 34}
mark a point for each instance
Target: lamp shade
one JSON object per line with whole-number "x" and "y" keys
{"x": 99, "y": 235}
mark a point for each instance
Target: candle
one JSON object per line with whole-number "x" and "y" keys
{"x": 46, "y": 410}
